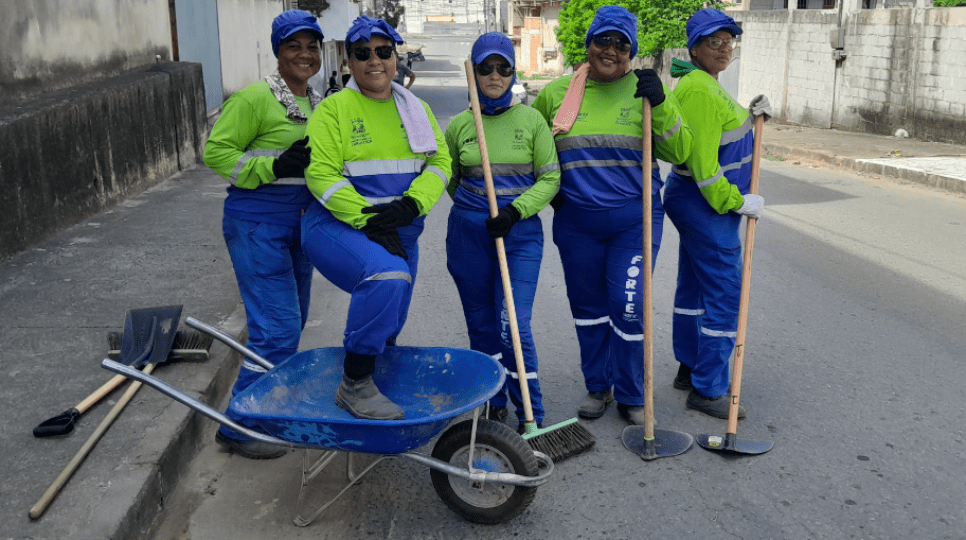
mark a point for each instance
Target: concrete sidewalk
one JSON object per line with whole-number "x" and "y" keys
{"x": 59, "y": 299}
{"x": 939, "y": 165}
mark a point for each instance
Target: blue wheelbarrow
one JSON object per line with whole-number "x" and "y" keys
{"x": 481, "y": 469}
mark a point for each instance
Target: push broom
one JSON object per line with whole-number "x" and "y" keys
{"x": 558, "y": 441}
{"x": 645, "y": 441}
{"x": 730, "y": 444}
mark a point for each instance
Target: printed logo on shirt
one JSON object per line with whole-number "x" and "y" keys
{"x": 359, "y": 133}
{"x": 624, "y": 117}
{"x": 519, "y": 139}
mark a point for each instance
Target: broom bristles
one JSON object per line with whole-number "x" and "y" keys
{"x": 561, "y": 441}
{"x": 187, "y": 345}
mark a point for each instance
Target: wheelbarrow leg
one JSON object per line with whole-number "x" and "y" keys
{"x": 311, "y": 471}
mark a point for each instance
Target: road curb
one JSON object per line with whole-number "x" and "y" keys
{"x": 188, "y": 427}
{"x": 945, "y": 183}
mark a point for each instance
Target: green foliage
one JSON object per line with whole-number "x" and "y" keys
{"x": 949, "y": 3}
{"x": 660, "y": 25}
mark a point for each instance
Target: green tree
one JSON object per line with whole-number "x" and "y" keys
{"x": 660, "y": 24}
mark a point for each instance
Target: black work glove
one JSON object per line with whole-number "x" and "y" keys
{"x": 387, "y": 238}
{"x": 557, "y": 201}
{"x": 292, "y": 162}
{"x": 392, "y": 215}
{"x": 649, "y": 85}
{"x": 500, "y": 225}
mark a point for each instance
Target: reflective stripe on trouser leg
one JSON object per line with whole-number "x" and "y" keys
{"x": 380, "y": 283}
{"x": 473, "y": 263}
{"x": 605, "y": 299}
{"x": 711, "y": 243}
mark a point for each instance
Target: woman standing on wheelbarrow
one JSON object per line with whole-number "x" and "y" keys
{"x": 597, "y": 119}
{"x": 379, "y": 164}
{"x": 258, "y": 145}
{"x": 526, "y": 176}
{"x": 705, "y": 199}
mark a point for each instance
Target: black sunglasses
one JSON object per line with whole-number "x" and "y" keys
{"x": 604, "y": 41}
{"x": 363, "y": 53}
{"x": 505, "y": 70}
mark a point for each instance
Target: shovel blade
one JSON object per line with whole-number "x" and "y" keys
{"x": 62, "y": 424}
{"x": 664, "y": 444}
{"x": 730, "y": 444}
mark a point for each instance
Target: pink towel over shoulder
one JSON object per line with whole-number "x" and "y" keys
{"x": 567, "y": 113}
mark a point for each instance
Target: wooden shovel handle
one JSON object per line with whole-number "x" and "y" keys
{"x": 500, "y": 249}
{"x": 39, "y": 508}
{"x": 745, "y": 284}
{"x": 646, "y": 264}
{"x": 104, "y": 390}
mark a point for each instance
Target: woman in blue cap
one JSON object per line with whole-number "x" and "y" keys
{"x": 258, "y": 144}
{"x": 597, "y": 119}
{"x": 705, "y": 199}
{"x": 378, "y": 166}
{"x": 526, "y": 176}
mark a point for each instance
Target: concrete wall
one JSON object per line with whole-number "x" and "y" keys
{"x": 72, "y": 153}
{"x": 54, "y": 44}
{"x": 903, "y": 69}
{"x": 245, "y": 30}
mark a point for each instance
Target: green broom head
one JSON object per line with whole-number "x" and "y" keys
{"x": 559, "y": 441}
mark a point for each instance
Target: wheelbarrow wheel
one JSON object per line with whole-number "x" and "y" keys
{"x": 498, "y": 449}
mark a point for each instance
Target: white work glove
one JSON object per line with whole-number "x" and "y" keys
{"x": 752, "y": 206}
{"x": 760, "y": 106}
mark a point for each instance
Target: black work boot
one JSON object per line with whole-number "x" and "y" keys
{"x": 499, "y": 413}
{"x": 633, "y": 414}
{"x": 362, "y": 399}
{"x": 683, "y": 379}
{"x": 594, "y": 405}
{"x": 716, "y": 407}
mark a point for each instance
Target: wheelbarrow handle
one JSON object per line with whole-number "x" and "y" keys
{"x": 228, "y": 340}
{"x": 203, "y": 408}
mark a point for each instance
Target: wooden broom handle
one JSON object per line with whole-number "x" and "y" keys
{"x": 500, "y": 250}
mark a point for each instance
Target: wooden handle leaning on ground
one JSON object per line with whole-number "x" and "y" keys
{"x": 39, "y": 508}
{"x": 745, "y": 284}
{"x": 646, "y": 264}
{"x": 500, "y": 250}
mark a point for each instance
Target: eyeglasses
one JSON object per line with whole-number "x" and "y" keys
{"x": 717, "y": 43}
{"x": 505, "y": 70}
{"x": 604, "y": 41}
{"x": 363, "y": 53}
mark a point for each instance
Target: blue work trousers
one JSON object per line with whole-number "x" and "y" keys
{"x": 381, "y": 284}
{"x": 472, "y": 261}
{"x": 275, "y": 281}
{"x": 709, "y": 286}
{"x": 601, "y": 253}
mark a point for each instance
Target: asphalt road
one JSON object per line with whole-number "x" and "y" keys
{"x": 853, "y": 368}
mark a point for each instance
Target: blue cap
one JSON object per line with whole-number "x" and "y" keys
{"x": 365, "y": 26}
{"x": 290, "y": 22}
{"x": 616, "y": 18}
{"x": 707, "y": 21}
{"x": 490, "y": 44}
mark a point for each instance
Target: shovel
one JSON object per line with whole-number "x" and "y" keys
{"x": 148, "y": 336}
{"x": 730, "y": 444}
{"x": 645, "y": 441}
{"x": 186, "y": 346}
